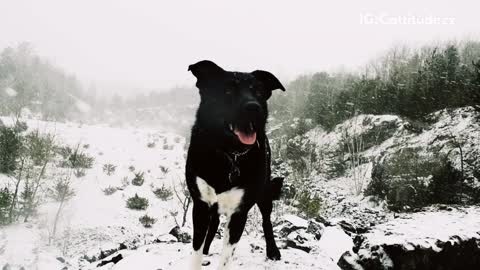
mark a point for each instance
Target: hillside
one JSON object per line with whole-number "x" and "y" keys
{"x": 98, "y": 231}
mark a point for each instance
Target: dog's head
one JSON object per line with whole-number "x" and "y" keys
{"x": 233, "y": 108}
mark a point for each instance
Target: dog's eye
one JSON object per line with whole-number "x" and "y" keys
{"x": 228, "y": 92}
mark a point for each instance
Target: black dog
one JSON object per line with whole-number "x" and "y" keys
{"x": 228, "y": 163}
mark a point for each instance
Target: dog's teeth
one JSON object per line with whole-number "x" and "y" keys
{"x": 231, "y": 126}
{"x": 251, "y": 125}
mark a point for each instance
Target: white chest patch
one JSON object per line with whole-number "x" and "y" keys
{"x": 228, "y": 201}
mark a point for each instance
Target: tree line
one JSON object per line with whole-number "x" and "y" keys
{"x": 407, "y": 82}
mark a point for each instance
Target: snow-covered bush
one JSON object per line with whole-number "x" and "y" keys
{"x": 147, "y": 221}
{"x": 39, "y": 147}
{"x": 164, "y": 169}
{"x": 10, "y": 149}
{"x": 151, "y": 144}
{"x": 20, "y": 126}
{"x": 137, "y": 203}
{"x": 75, "y": 158}
{"x": 408, "y": 180}
{"x": 5, "y": 203}
{"x": 446, "y": 184}
{"x": 109, "y": 190}
{"x": 109, "y": 169}
{"x": 402, "y": 179}
{"x": 139, "y": 179}
{"x": 79, "y": 172}
{"x": 309, "y": 204}
{"x": 163, "y": 193}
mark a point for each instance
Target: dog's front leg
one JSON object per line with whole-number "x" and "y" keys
{"x": 233, "y": 232}
{"x": 200, "y": 216}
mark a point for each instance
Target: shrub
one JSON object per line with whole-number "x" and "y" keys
{"x": 110, "y": 190}
{"x": 147, "y": 221}
{"x": 62, "y": 190}
{"x": 164, "y": 169}
{"x": 408, "y": 181}
{"x": 139, "y": 179}
{"x": 137, "y": 203}
{"x": 109, "y": 169}
{"x": 151, "y": 144}
{"x": 20, "y": 127}
{"x": 309, "y": 204}
{"x": 5, "y": 202}
{"x": 163, "y": 193}
{"x": 125, "y": 182}
{"x": 39, "y": 147}
{"x": 446, "y": 184}
{"x": 75, "y": 158}
{"x": 10, "y": 149}
{"x": 79, "y": 172}
{"x": 81, "y": 160}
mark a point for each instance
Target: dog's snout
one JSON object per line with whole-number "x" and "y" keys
{"x": 252, "y": 107}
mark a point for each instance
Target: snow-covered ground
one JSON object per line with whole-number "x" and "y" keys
{"x": 93, "y": 222}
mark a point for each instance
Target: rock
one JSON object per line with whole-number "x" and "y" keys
{"x": 107, "y": 252}
{"x": 122, "y": 246}
{"x": 357, "y": 242}
{"x": 296, "y": 221}
{"x": 291, "y": 223}
{"x": 348, "y": 227}
{"x": 60, "y": 259}
{"x": 424, "y": 240}
{"x": 292, "y": 244}
{"x": 166, "y": 238}
{"x": 315, "y": 228}
{"x": 348, "y": 262}
{"x": 113, "y": 260}
{"x": 181, "y": 236}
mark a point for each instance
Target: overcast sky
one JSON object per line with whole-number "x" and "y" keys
{"x": 151, "y": 43}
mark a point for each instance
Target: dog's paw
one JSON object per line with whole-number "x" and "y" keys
{"x": 274, "y": 254}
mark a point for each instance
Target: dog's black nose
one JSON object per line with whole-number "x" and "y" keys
{"x": 252, "y": 107}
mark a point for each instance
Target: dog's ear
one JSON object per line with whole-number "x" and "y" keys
{"x": 269, "y": 81}
{"x": 205, "y": 71}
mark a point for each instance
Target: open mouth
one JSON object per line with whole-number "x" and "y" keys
{"x": 246, "y": 135}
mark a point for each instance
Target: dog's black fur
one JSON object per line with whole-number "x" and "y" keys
{"x": 231, "y": 101}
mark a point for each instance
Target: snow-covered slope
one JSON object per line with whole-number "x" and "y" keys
{"x": 95, "y": 227}
{"x": 98, "y": 231}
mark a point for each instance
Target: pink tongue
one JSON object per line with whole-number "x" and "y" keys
{"x": 246, "y": 138}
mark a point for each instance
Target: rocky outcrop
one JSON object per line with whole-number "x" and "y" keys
{"x": 434, "y": 239}
{"x": 181, "y": 235}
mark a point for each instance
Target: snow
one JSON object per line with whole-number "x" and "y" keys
{"x": 91, "y": 219}
{"x": 10, "y": 92}
{"x": 177, "y": 257}
{"x": 93, "y": 222}
{"x": 82, "y": 106}
{"x": 296, "y": 221}
{"x": 426, "y": 228}
{"x": 335, "y": 242}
